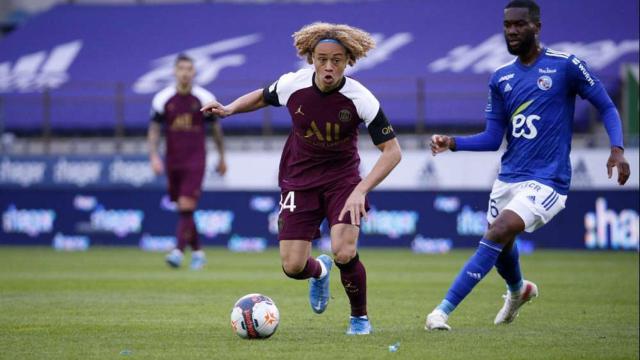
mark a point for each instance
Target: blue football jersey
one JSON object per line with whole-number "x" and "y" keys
{"x": 536, "y": 103}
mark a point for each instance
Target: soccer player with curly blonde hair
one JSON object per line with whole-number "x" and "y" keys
{"x": 319, "y": 168}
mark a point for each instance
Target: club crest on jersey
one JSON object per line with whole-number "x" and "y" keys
{"x": 344, "y": 115}
{"x": 545, "y": 82}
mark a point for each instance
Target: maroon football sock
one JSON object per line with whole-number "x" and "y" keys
{"x": 196, "y": 243}
{"x": 186, "y": 229}
{"x": 354, "y": 280}
{"x": 311, "y": 269}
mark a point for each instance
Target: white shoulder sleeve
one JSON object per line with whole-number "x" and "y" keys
{"x": 366, "y": 104}
{"x": 202, "y": 94}
{"x": 161, "y": 98}
{"x": 289, "y": 83}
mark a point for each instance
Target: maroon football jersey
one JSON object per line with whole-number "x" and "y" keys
{"x": 184, "y": 125}
{"x": 322, "y": 145}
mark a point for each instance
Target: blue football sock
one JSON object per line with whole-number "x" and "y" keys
{"x": 508, "y": 266}
{"x": 473, "y": 271}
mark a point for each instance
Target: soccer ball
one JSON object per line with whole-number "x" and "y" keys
{"x": 255, "y": 316}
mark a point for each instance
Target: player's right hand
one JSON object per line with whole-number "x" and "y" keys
{"x": 215, "y": 108}
{"x": 156, "y": 164}
{"x": 439, "y": 143}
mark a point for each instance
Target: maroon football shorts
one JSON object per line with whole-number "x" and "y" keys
{"x": 302, "y": 211}
{"x": 185, "y": 182}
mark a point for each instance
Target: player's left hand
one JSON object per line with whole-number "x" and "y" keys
{"x": 221, "y": 169}
{"x": 355, "y": 207}
{"x": 616, "y": 159}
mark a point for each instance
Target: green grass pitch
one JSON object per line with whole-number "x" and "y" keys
{"x": 122, "y": 303}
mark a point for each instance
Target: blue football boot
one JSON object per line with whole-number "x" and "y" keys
{"x": 319, "y": 288}
{"x": 174, "y": 258}
{"x": 198, "y": 260}
{"x": 359, "y": 326}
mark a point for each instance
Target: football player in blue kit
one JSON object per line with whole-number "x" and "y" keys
{"x": 532, "y": 100}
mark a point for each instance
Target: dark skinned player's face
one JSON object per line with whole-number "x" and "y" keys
{"x": 519, "y": 31}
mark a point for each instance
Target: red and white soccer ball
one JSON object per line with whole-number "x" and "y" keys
{"x": 255, "y": 316}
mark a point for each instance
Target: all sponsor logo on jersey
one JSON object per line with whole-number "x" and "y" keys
{"x": 507, "y": 88}
{"x": 344, "y": 115}
{"x": 545, "y": 82}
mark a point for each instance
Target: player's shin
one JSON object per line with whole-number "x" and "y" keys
{"x": 473, "y": 271}
{"x": 354, "y": 279}
{"x": 508, "y": 266}
{"x": 186, "y": 229}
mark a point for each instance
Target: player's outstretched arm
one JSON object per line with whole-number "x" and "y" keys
{"x": 390, "y": 157}
{"x": 617, "y": 160}
{"x": 246, "y": 103}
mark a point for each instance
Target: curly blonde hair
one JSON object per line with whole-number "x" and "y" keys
{"x": 357, "y": 41}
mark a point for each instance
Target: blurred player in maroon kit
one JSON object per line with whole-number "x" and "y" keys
{"x": 319, "y": 176}
{"x": 177, "y": 108}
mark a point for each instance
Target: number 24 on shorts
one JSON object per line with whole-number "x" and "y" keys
{"x": 289, "y": 202}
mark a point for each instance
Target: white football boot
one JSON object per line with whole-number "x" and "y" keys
{"x": 437, "y": 320}
{"x": 513, "y": 302}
